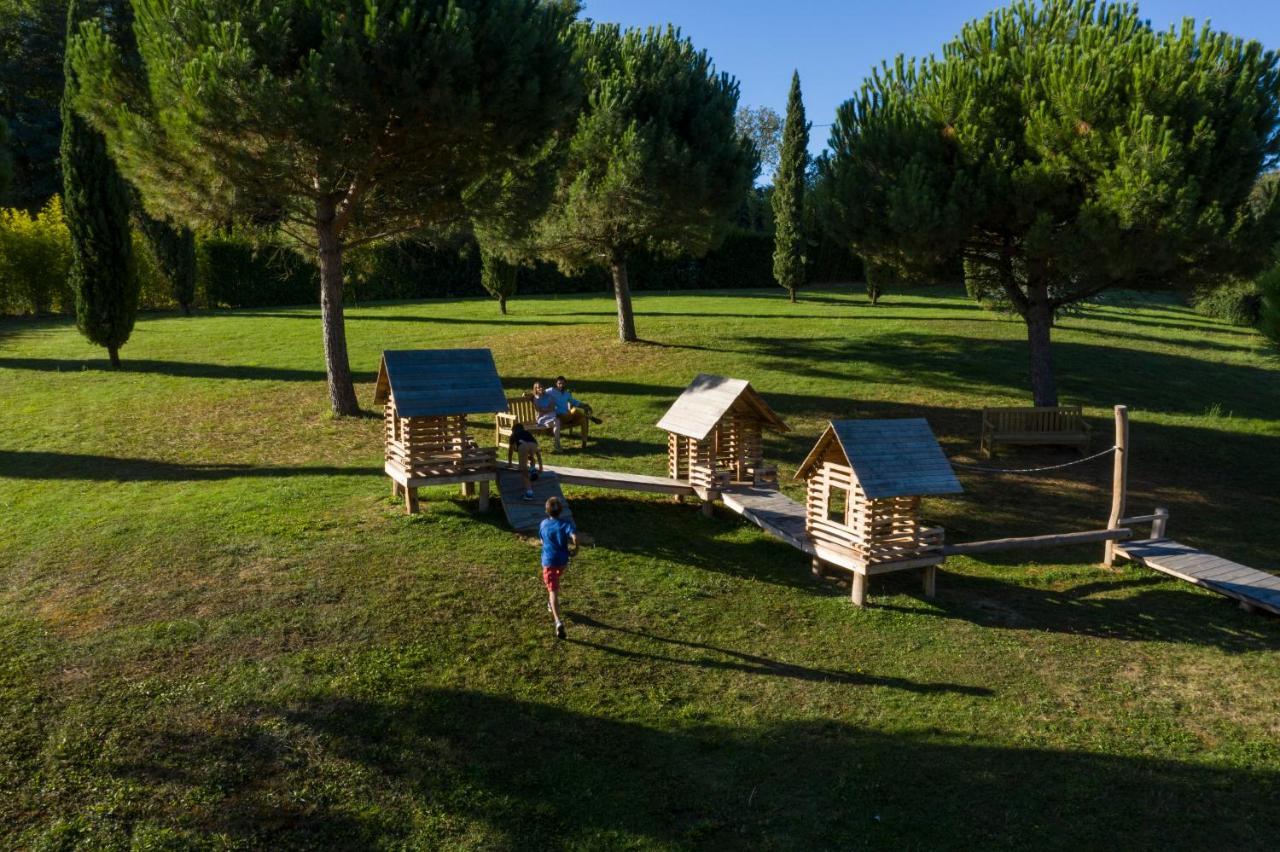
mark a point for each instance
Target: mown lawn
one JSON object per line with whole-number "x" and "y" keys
{"x": 218, "y": 630}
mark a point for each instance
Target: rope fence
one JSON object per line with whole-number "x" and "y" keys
{"x": 999, "y": 470}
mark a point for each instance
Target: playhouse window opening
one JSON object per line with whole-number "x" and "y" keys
{"x": 837, "y": 505}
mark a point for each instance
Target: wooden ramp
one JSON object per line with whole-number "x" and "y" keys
{"x": 613, "y": 480}
{"x": 1251, "y": 587}
{"x": 525, "y": 516}
{"x": 771, "y": 511}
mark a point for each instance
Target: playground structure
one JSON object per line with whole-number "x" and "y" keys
{"x": 864, "y": 482}
{"x": 864, "y": 478}
{"x": 714, "y": 435}
{"x": 426, "y": 396}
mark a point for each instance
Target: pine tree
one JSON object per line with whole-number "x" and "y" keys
{"x": 655, "y": 162}
{"x": 788, "y": 195}
{"x": 1059, "y": 149}
{"x": 497, "y": 276}
{"x": 96, "y": 203}
{"x": 337, "y": 124}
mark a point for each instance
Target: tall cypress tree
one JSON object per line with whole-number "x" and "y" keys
{"x": 788, "y": 195}
{"x": 96, "y": 205}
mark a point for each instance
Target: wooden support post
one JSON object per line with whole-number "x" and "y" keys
{"x": 707, "y": 509}
{"x": 1119, "y": 481}
{"x": 468, "y": 489}
{"x": 410, "y": 501}
{"x": 395, "y": 489}
{"x": 858, "y": 589}
{"x": 484, "y": 496}
{"x": 818, "y": 570}
{"x": 930, "y": 580}
{"x": 1161, "y": 524}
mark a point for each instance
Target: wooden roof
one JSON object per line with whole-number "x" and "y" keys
{"x": 439, "y": 382}
{"x": 891, "y": 458}
{"x": 709, "y": 398}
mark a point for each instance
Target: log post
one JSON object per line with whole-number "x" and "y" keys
{"x": 410, "y": 500}
{"x": 484, "y": 496}
{"x": 858, "y": 589}
{"x": 1161, "y": 524}
{"x": 1119, "y": 481}
{"x": 930, "y": 580}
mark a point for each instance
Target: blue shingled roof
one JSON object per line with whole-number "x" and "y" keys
{"x": 439, "y": 382}
{"x": 892, "y": 458}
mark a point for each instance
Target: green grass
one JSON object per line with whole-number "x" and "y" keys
{"x": 218, "y": 630}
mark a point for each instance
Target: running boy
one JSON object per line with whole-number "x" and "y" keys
{"x": 558, "y": 539}
{"x": 525, "y": 448}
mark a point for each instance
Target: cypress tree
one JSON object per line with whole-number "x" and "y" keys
{"x": 788, "y": 195}
{"x": 96, "y": 205}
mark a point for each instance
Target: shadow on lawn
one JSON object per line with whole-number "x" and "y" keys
{"x": 179, "y": 369}
{"x": 438, "y": 767}
{"x": 44, "y": 465}
{"x": 1144, "y": 609}
{"x": 724, "y": 659}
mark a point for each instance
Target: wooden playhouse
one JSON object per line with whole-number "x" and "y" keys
{"x": 426, "y": 396}
{"x": 714, "y": 434}
{"x": 862, "y": 509}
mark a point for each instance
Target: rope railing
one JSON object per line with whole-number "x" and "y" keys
{"x": 999, "y": 470}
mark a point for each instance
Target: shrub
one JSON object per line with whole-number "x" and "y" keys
{"x": 236, "y": 273}
{"x": 35, "y": 258}
{"x": 1237, "y": 302}
{"x": 1269, "y": 310}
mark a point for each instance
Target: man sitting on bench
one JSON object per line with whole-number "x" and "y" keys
{"x": 570, "y": 411}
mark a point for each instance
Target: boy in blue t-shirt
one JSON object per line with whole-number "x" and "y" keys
{"x": 559, "y": 539}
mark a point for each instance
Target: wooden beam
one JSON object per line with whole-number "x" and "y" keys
{"x": 1033, "y": 541}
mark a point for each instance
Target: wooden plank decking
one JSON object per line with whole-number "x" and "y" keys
{"x": 1249, "y": 586}
{"x": 525, "y": 516}
{"x": 772, "y": 511}
{"x": 613, "y": 479}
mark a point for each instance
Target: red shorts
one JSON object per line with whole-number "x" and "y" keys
{"x": 551, "y": 576}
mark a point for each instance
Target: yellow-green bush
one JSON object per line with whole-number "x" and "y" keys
{"x": 35, "y": 257}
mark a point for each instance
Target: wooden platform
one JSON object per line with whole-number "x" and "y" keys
{"x": 526, "y": 516}
{"x": 1251, "y": 587}
{"x": 614, "y": 480}
{"x": 772, "y": 511}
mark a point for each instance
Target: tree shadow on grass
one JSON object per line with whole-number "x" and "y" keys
{"x": 179, "y": 369}
{"x": 431, "y": 319}
{"x": 1143, "y": 609}
{"x": 724, "y": 659}
{"x": 493, "y": 770}
{"x": 17, "y": 464}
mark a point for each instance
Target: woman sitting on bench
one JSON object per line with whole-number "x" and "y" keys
{"x": 545, "y": 406}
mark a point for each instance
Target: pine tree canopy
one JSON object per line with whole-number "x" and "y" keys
{"x": 1062, "y": 148}
{"x": 338, "y": 123}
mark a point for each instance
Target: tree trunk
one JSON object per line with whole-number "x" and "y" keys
{"x": 502, "y": 305}
{"x": 622, "y": 293}
{"x": 342, "y": 391}
{"x": 1039, "y": 317}
{"x": 792, "y": 294}
{"x": 114, "y": 353}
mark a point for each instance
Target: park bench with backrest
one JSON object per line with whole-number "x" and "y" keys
{"x": 522, "y": 410}
{"x": 1062, "y": 425}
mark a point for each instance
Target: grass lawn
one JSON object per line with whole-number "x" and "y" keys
{"x": 218, "y": 630}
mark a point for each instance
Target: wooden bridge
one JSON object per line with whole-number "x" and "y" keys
{"x": 1253, "y": 589}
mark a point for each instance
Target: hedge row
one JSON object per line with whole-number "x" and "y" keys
{"x": 234, "y": 273}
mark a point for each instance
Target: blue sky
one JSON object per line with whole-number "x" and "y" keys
{"x": 834, "y": 44}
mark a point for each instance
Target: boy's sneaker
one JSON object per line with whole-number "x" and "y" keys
{"x": 528, "y": 497}
{"x": 595, "y": 420}
{"x": 559, "y": 629}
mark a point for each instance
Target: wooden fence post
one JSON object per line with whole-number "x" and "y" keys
{"x": 1119, "y": 481}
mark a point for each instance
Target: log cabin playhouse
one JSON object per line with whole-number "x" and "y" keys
{"x": 714, "y": 435}
{"x": 426, "y": 396}
{"x": 862, "y": 510}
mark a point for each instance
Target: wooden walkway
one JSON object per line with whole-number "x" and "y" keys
{"x": 525, "y": 516}
{"x": 613, "y": 480}
{"x": 771, "y": 511}
{"x": 1254, "y": 589}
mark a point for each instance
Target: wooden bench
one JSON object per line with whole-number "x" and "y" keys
{"x": 1062, "y": 425}
{"x": 522, "y": 410}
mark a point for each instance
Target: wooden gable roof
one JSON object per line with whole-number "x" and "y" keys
{"x": 439, "y": 382}
{"x": 709, "y": 398}
{"x": 890, "y": 458}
